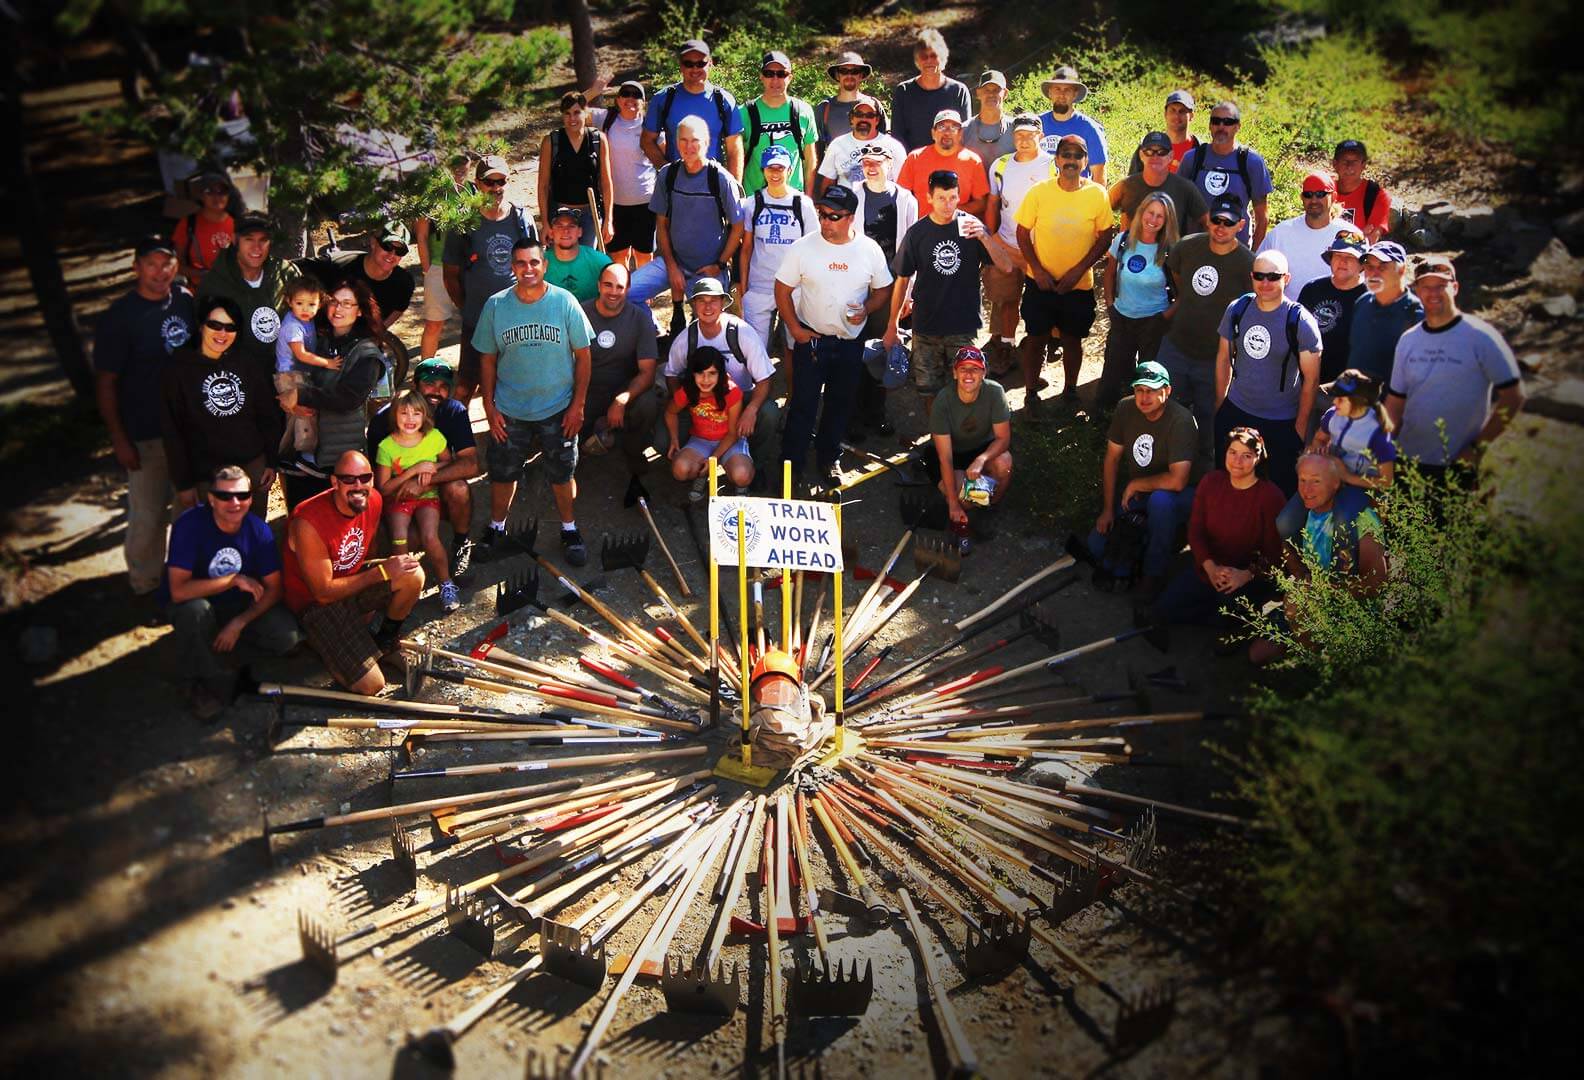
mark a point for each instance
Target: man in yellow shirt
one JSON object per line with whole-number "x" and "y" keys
{"x": 1063, "y": 229}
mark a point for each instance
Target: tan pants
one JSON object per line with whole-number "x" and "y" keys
{"x": 149, "y": 497}
{"x": 302, "y": 432}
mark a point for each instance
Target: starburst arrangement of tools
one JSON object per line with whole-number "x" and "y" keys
{"x": 918, "y": 803}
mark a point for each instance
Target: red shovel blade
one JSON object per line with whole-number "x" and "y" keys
{"x": 746, "y": 927}
{"x": 582, "y": 818}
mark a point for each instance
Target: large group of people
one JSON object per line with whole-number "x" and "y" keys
{"x": 1262, "y": 380}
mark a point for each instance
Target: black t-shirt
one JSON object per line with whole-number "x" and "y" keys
{"x": 945, "y": 271}
{"x": 451, "y": 418}
{"x": 134, "y": 340}
{"x": 880, "y": 220}
{"x": 393, "y": 294}
{"x": 1333, "y": 310}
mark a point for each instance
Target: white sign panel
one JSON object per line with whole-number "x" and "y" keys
{"x": 789, "y": 534}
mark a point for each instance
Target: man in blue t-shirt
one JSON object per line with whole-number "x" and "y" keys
{"x": 223, "y": 586}
{"x": 1064, "y": 91}
{"x": 534, "y": 362}
{"x": 1223, "y": 165}
{"x": 696, "y": 96}
{"x": 1383, "y": 313}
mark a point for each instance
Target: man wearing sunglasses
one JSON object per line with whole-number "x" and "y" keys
{"x": 1155, "y": 152}
{"x": 833, "y": 116}
{"x": 379, "y": 266}
{"x": 776, "y": 118}
{"x": 1224, "y": 166}
{"x": 251, "y": 277}
{"x": 843, "y": 160}
{"x": 332, "y": 586}
{"x": 1306, "y": 239}
{"x": 694, "y": 96}
{"x": 223, "y": 588}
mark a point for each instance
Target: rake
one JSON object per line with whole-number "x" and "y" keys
{"x": 624, "y": 551}
{"x": 999, "y": 943}
{"x": 937, "y": 556}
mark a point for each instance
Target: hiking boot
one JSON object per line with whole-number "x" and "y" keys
{"x": 494, "y": 544}
{"x": 461, "y": 556}
{"x": 450, "y": 598}
{"x": 573, "y": 547}
{"x": 207, "y": 703}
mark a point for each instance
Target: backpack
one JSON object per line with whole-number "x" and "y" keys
{"x": 1240, "y": 307}
{"x": 1372, "y": 192}
{"x": 733, "y": 345}
{"x": 998, "y": 169}
{"x": 716, "y": 94}
{"x": 1202, "y": 151}
{"x": 525, "y": 227}
{"x": 712, "y": 170}
{"x": 798, "y": 199}
{"x": 755, "y": 128}
{"x": 611, "y": 116}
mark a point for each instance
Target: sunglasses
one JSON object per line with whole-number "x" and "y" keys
{"x": 1155, "y": 151}
{"x": 856, "y": 116}
{"x": 492, "y": 183}
{"x": 630, "y": 94}
{"x": 1224, "y": 121}
{"x": 1267, "y": 275}
{"x": 231, "y": 496}
{"x": 826, "y": 215}
{"x": 1224, "y": 221}
{"x": 1072, "y": 155}
{"x": 849, "y": 71}
{"x": 355, "y": 479}
{"x": 393, "y": 247}
{"x": 774, "y": 73}
{"x": 1314, "y": 194}
{"x": 221, "y": 327}
{"x": 695, "y": 63}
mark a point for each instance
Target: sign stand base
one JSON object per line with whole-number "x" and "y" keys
{"x": 844, "y": 743}
{"x": 730, "y": 767}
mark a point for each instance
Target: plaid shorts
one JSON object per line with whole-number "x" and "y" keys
{"x": 339, "y": 632}
{"x": 506, "y": 459}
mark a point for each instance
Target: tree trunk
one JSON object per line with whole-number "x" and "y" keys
{"x": 38, "y": 248}
{"x": 584, "y": 61}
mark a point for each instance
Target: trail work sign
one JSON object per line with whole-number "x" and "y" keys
{"x": 787, "y": 534}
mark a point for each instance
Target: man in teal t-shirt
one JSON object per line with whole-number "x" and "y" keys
{"x": 776, "y": 119}
{"x": 573, "y": 266}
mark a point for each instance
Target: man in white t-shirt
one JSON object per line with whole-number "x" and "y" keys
{"x": 1011, "y": 176}
{"x": 828, "y": 285}
{"x": 842, "y": 163}
{"x": 1304, "y": 240}
{"x": 774, "y": 217}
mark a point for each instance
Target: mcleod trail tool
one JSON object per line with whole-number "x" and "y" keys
{"x": 705, "y": 986}
{"x": 939, "y": 556}
{"x": 665, "y": 549}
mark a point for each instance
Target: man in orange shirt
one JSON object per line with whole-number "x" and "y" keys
{"x": 948, "y": 153}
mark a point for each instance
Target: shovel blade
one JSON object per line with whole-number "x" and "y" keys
{"x": 999, "y": 944}
{"x": 567, "y": 953}
{"x": 937, "y": 557}
{"x": 1144, "y": 1017}
{"x": 820, "y": 989}
{"x": 697, "y": 989}
{"x": 624, "y": 551}
{"x": 318, "y": 944}
{"x": 517, "y": 592}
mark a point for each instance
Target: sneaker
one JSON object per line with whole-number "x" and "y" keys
{"x": 572, "y": 545}
{"x": 698, "y": 490}
{"x": 461, "y": 556}
{"x": 450, "y": 599}
{"x": 207, "y": 704}
{"x": 493, "y": 544}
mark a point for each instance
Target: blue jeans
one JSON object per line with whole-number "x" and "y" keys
{"x": 1165, "y": 514}
{"x": 828, "y": 365}
{"x": 653, "y": 278}
{"x": 1193, "y": 385}
{"x": 1189, "y": 598}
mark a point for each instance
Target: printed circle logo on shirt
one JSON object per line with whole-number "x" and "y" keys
{"x": 946, "y": 258}
{"x": 1048, "y": 144}
{"x": 1205, "y": 279}
{"x": 265, "y": 323}
{"x": 228, "y": 560}
{"x": 1144, "y": 450}
{"x": 222, "y": 393}
{"x": 1217, "y": 182}
{"x": 1257, "y": 342}
{"x": 1135, "y": 264}
{"x": 350, "y": 553}
{"x": 174, "y": 331}
{"x": 497, "y": 250}
{"x": 1326, "y": 313}
{"x": 605, "y": 339}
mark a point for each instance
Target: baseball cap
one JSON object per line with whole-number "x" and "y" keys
{"x": 1353, "y": 382}
{"x": 1083, "y": 144}
{"x": 1152, "y": 375}
{"x": 1181, "y": 97}
{"x": 1226, "y": 206}
{"x": 1387, "y": 251}
{"x": 992, "y": 77}
{"x": 252, "y": 222}
{"x": 148, "y": 245}
{"x": 775, "y": 155}
{"x": 633, "y": 85}
{"x": 840, "y": 197}
{"x": 433, "y": 369}
{"x": 567, "y": 212}
{"x": 1348, "y": 240}
{"x": 1026, "y": 122}
{"x": 1318, "y": 181}
{"x": 394, "y": 232}
{"x": 1434, "y": 266}
{"x": 490, "y": 165}
{"x": 1347, "y": 146}
{"x": 706, "y": 286}
{"x": 875, "y": 149}
{"x": 970, "y": 355}
{"x": 775, "y": 56}
{"x": 945, "y": 115}
{"x": 694, "y": 45}
{"x": 1156, "y": 138}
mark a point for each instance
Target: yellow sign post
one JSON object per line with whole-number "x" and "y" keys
{"x": 741, "y": 768}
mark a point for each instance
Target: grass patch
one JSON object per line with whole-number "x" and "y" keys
{"x": 1059, "y": 462}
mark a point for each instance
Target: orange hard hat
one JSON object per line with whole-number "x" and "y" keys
{"x": 776, "y": 662}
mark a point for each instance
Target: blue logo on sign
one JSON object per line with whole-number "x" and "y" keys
{"x": 1135, "y": 264}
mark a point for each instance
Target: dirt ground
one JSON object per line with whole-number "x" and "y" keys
{"x": 148, "y": 931}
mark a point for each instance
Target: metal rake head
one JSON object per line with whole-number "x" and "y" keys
{"x": 697, "y": 989}
{"x": 318, "y": 944}
{"x": 923, "y": 509}
{"x": 1000, "y": 943}
{"x": 567, "y": 953}
{"x": 1040, "y": 620}
{"x": 623, "y": 550}
{"x": 543, "y": 1065}
{"x": 822, "y": 990}
{"x": 1140, "y": 840}
{"x": 403, "y": 854}
{"x": 1144, "y": 1017}
{"x": 524, "y": 534}
{"x": 417, "y": 662}
{"x": 938, "y": 557}
{"x": 517, "y": 592}
{"x": 1076, "y": 890}
{"x": 488, "y": 927}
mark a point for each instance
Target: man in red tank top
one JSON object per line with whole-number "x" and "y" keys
{"x": 330, "y": 588}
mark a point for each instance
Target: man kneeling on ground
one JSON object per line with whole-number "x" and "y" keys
{"x": 971, "y": 428}
{"x": 331, "y": 587}
{"x": 223, "y": 581}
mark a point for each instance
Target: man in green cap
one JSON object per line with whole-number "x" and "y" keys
{"x": 1151, "y": 449}
{"x": 433, "y": 378}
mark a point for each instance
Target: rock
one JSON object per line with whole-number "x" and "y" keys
{"x": 1055, "y": 774}
{"x": 1437, "y": 212}
{"x": 1559, "y": 307}
{"x": 1570, "y": 227}
{"x": 1554, "y": 270}
{"x": 337, "y": 1030}
{"x": 1472, "y": 223}
{"x": 1532, "y": 362}
{"x": 38, "y": 644}
{"x": 1520, "y": 243}
{"x": 1422, "y": 237}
